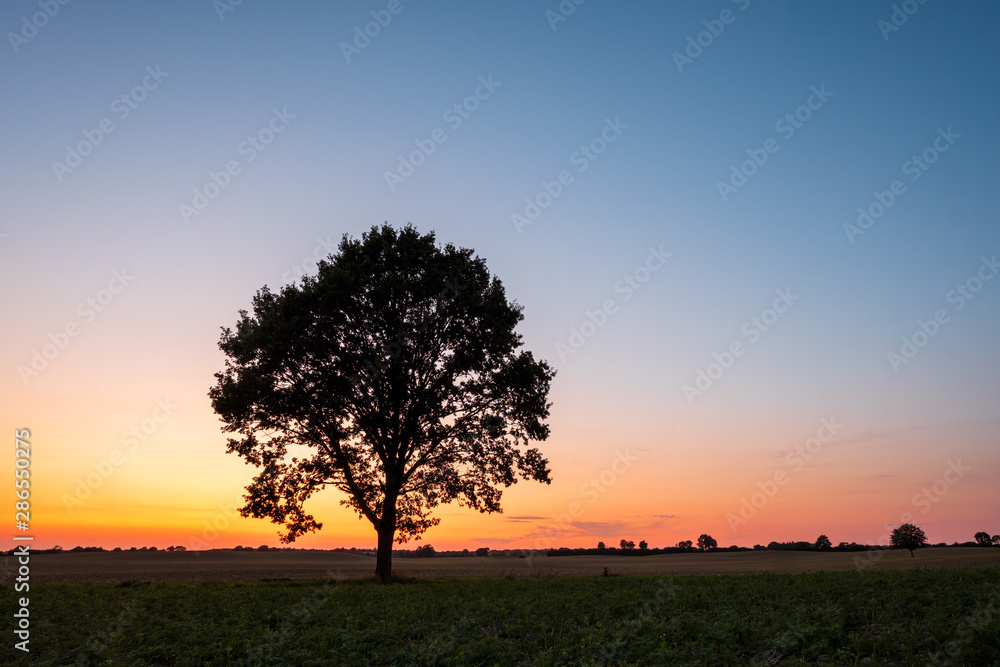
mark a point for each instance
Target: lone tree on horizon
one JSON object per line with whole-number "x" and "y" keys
{"x": 394, "y": 375}
{"x": 706, "y": 541}
{"x": 908, "y": 536}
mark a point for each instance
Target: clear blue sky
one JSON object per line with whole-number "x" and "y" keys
{"x": 338, "y": 119}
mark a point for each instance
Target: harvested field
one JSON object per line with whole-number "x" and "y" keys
{"x": 193, "y": 566}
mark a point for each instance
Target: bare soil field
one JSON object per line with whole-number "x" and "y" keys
{"x": 195, "y": 566}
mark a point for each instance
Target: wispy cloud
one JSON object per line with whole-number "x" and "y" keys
{"x": 836, "y": 442}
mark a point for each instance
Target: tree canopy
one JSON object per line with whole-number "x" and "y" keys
{"x": 395, "y": 375}
{"x": 908, "y": 536}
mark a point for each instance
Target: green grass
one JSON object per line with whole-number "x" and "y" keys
{"x": 891, "y": 617}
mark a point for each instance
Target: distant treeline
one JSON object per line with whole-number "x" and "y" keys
{"x": 428, "y": 551}
{"x": 773, "y": 546}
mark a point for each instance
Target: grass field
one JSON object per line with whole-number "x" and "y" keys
{"x": 890, "y": 617}
{"x": 901, "y": 611}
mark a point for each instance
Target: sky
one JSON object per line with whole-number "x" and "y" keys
{"x": 757, "y": 240}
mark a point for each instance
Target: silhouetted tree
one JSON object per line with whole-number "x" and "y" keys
{"x": 627, "y": 544}
{"x": 996, "y": 540}
{"x": 685, "y": 544}
{"x": 425, "y": 551}
{"x": 823, "y": 543}
{"x": 983, "y": 539}
{"x": 908, "y": 536}
{"x": 395, "y": 375}
{"x": 483, "y": 551}
{"x": 600, "y": 546}
{"x": 706, "y": 542}
{"x": 642, "y": 545}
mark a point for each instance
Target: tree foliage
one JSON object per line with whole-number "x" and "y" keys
{"x": 908, "y": 536}
{"x": 395, "y": 376}
{"x": 706, "y": 541}
{"x": 823, "y": 543}
{"x": 425, "y": 551}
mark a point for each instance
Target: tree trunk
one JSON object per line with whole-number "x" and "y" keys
{"x": 386, "y": 533}
{"x": 383, "y": 558}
